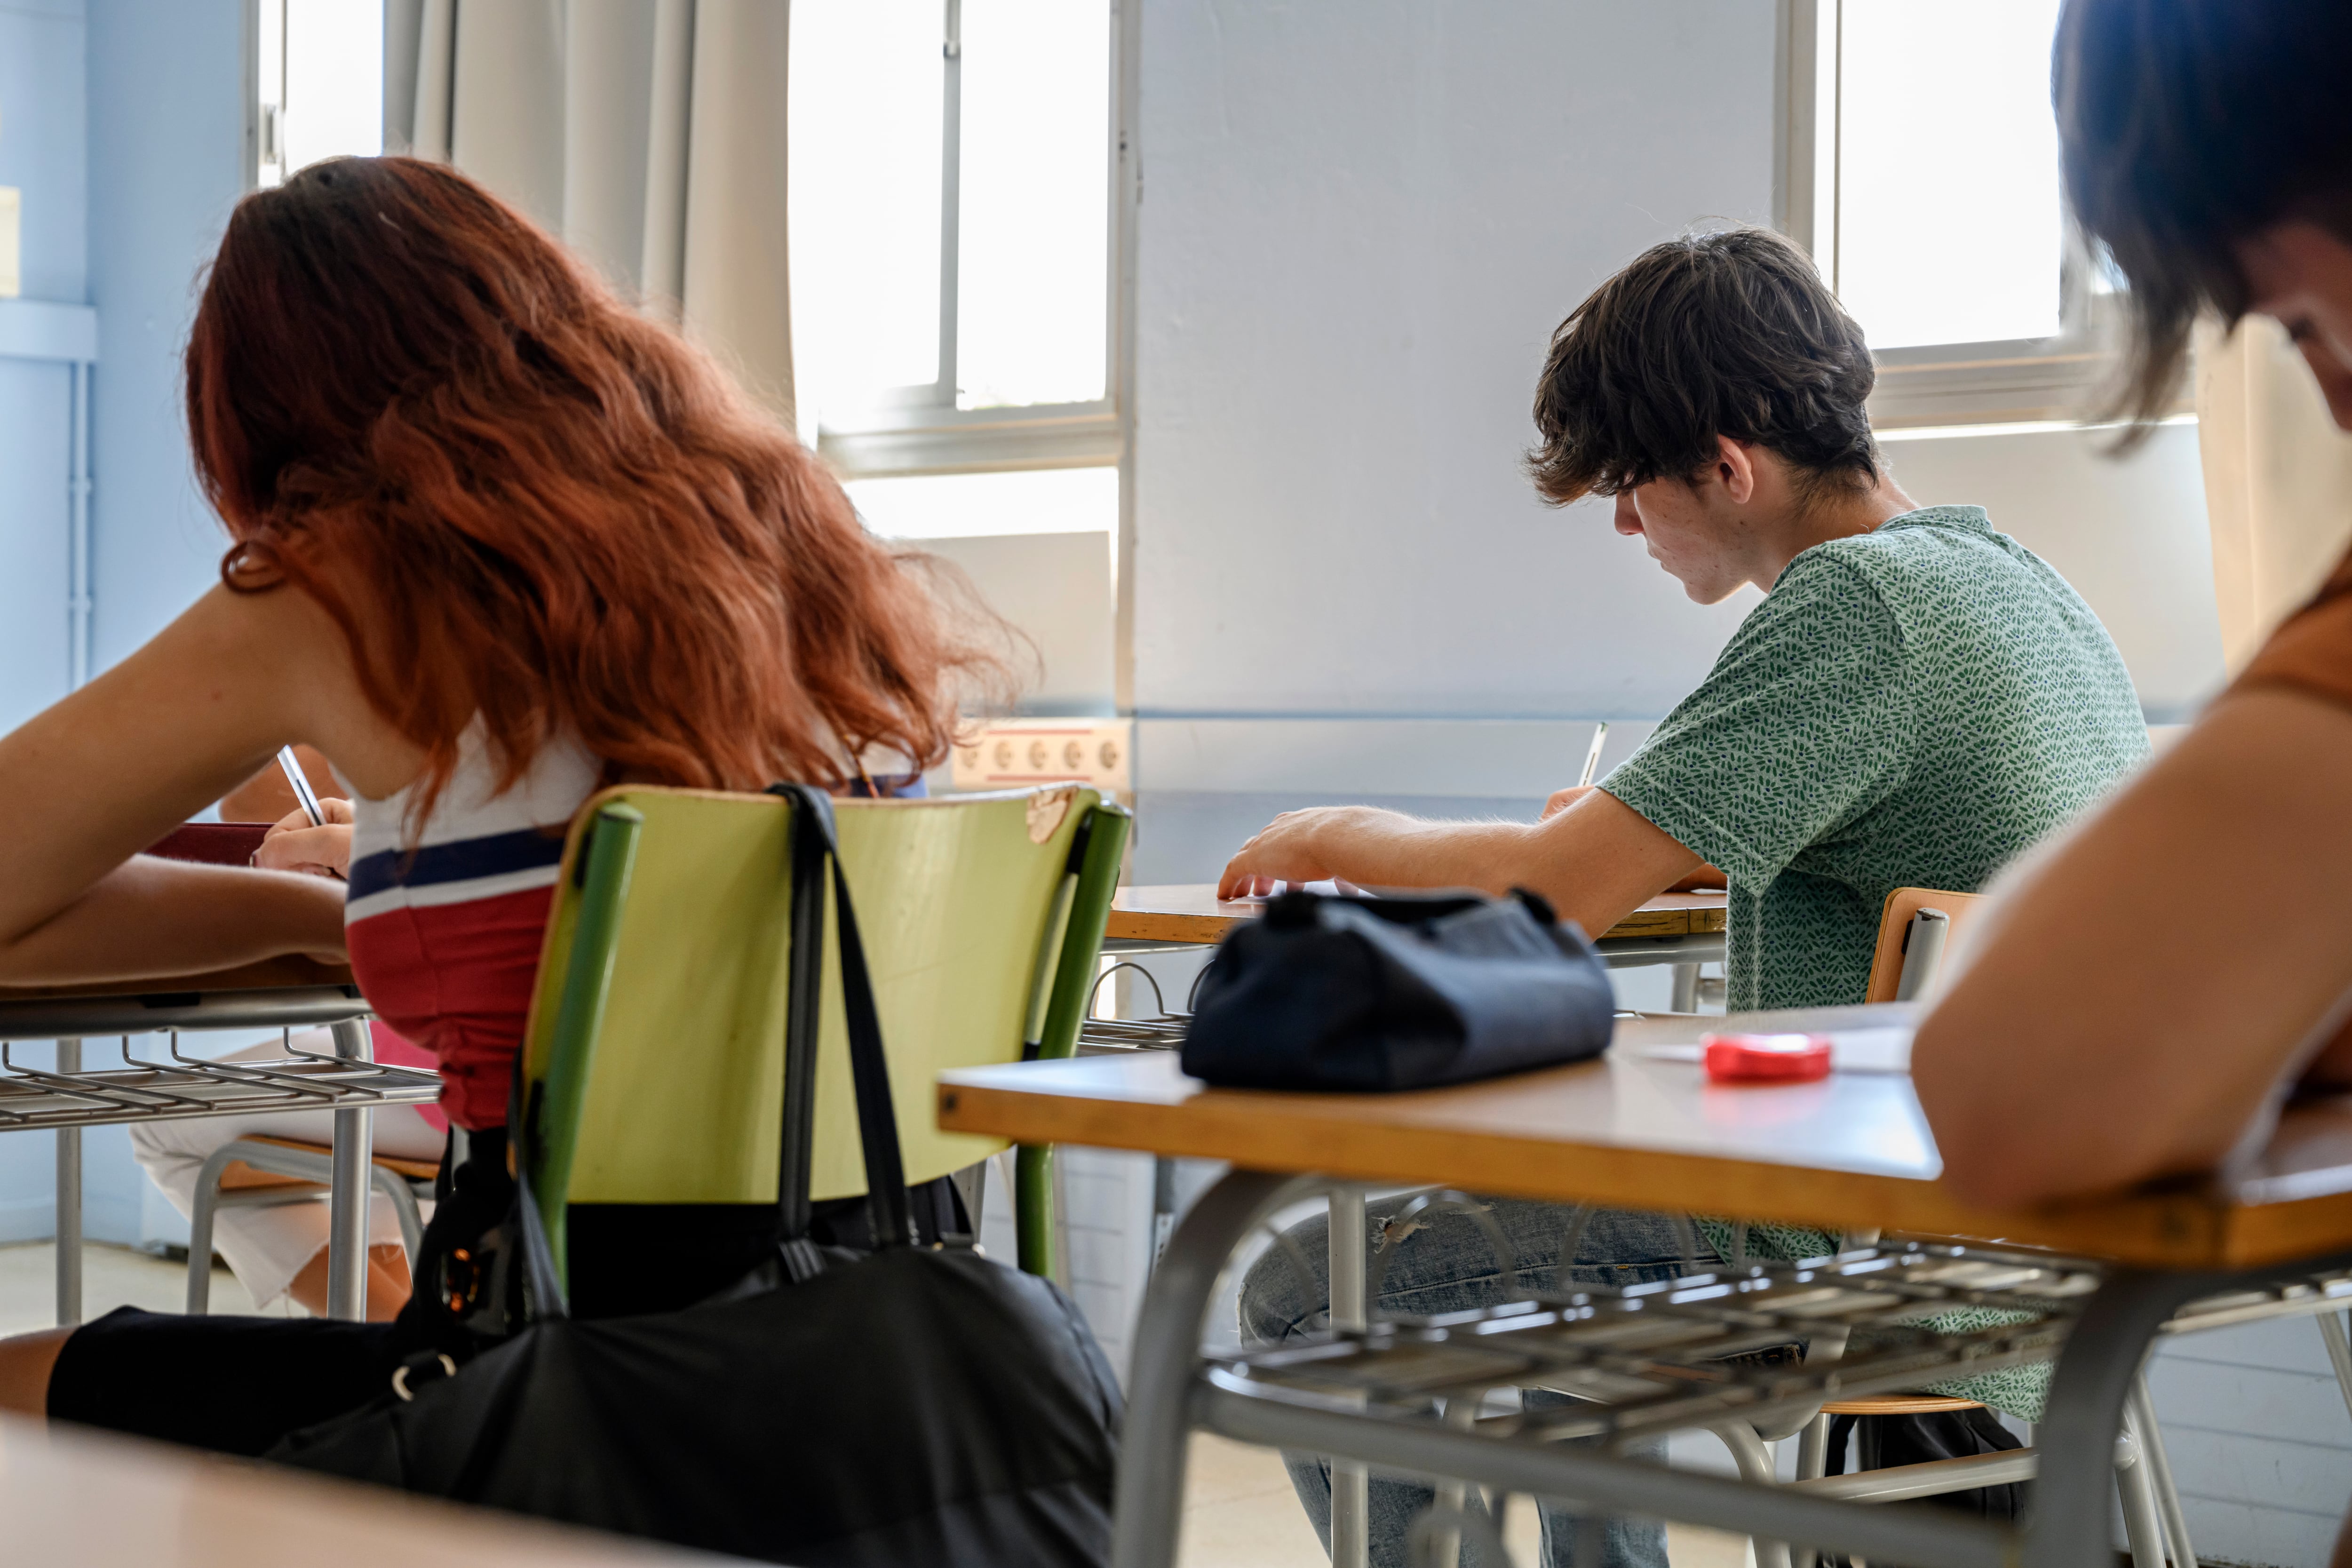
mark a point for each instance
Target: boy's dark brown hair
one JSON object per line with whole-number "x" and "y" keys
{"x": 1732, "y": 333}
{"x": 2187, "y": 126}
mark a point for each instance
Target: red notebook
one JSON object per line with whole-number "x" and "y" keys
{"x": 213, "y": 843}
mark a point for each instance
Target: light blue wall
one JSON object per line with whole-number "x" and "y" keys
{"x": 123, "y": 122}
{"x": 44, "y": 152}
{"x": 166, "y": 146}
{"x": 43, "y": 142}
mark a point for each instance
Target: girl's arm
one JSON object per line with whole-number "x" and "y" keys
{"x": 126, "y": 759}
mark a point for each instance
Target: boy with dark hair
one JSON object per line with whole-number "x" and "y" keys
{"x": 1918, "y": 699}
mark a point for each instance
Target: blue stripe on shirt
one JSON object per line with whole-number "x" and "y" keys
{"x": 496, "y": 855}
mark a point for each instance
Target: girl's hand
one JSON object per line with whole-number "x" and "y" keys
{"x": 293, "y": 845}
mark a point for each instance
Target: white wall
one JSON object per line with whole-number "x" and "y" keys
{"x": 1055, "y": 588}
{"x": 1361, "y": 223}
{"x": 2129, "y": 534}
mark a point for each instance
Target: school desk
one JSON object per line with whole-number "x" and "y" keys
{"x": 74, "y": 1495}
{"x": 1641, "y": 1127}
{"x": 284, "y": 993}
{"x": 1685, "y": 930}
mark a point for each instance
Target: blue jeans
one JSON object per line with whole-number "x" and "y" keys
{"x": 1448, "y": 1265}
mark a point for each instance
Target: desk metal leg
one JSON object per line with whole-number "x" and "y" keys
{"x": 1686, "y": 993}
{"x": 69, "y": 1202}
{"x": 1351, "y": 1501}
{"x": 348, "y": 1197}
{"x": 1164, "y": 1205}
{"x": 2077, "y": 1438}
{"x": 1153, "y": 1437}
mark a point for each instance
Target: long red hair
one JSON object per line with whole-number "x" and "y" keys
{"x": 522, "y": 502}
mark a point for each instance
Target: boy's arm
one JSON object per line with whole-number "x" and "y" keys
{"x": 1597, "y": 861}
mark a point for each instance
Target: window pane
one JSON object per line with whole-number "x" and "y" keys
{"x": 334, "y": 80}
{"x": 1948, "y": 208}
{"x": 958, "y": 506}
{"x": 863, "y": 188}
{"x": 1032, "y": 289}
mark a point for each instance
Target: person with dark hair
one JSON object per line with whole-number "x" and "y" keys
{"x": 494, "y": 541}
{"x": 1916, "y": 700}
{"x": 2130, "y": 1008}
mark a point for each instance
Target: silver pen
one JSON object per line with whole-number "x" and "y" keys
{"x": 1592, "y": 757}
{"x": 308, "y": 800}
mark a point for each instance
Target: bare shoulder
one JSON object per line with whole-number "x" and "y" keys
{"x": 284, "y": 641}
{"x": 279, "y": 625}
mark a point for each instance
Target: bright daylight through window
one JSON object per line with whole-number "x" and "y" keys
{"x": 950, "y": 224}
{"x": 1950, "y": 223}
{"x": 318, "y": 78}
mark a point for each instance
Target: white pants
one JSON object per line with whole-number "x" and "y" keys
{"x": 268, "y": 1247}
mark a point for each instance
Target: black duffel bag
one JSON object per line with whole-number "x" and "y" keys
{"x": 907, "y": 1405}
{"x": 1346, "y": 992}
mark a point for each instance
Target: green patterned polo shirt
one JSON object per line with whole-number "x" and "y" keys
{"x": 1907, "y": 708}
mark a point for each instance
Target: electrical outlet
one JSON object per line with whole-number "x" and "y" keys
{"x": 1014, "y": 752}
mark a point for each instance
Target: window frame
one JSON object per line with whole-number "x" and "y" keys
{"x": 2013, "y": 380}
{"x": 917, "y": 430}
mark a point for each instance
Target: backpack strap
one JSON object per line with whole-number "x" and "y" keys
{"x": 815, "y": 850}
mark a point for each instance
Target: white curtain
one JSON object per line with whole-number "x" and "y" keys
{"x": 2278, "y": 480}
{"x": 648, "y": 133}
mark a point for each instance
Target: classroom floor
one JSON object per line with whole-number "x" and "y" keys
{"x": 1239, "y": 1512}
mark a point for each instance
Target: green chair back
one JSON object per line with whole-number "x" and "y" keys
{"x": 654, "y": 1060}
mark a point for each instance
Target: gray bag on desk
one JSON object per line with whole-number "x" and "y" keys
{"x": 1329, "y": 993}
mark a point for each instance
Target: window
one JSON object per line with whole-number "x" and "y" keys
{"x": 960, "y": 506}
{"x": 1921, "y": 167}
{"x": 951, "y": 230}
{"x": 318, "y": 77}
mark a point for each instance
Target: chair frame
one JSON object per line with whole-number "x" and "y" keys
{"x": 305, "y": 1164}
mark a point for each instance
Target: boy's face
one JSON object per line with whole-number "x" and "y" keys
{"x": 1691, "y": 529}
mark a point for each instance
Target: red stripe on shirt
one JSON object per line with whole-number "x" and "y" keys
{"x": 455, "y": 980}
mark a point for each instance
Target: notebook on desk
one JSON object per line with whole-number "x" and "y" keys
{"x": 213, "y": 842}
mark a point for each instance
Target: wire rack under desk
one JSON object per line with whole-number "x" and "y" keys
{"x": 1164, "y": 1033}
{"x": 133, "y": 1089}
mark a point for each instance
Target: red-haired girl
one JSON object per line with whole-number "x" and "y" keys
{"x": 497, "y": 541}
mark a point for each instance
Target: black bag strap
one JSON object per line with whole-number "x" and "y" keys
{"x": 816, "y": 848}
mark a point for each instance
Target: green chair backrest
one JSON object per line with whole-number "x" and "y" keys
{"x": 653, "y": 1057}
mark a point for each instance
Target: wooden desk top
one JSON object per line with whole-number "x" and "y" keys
{"x": 1850, "y": 1151}
{"x": 71, "y": 1495}
{"x": 1192, "y": 911}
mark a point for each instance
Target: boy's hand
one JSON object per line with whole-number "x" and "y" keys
{"x": 293, "y": 845}
{"x": 1561, "y": 799}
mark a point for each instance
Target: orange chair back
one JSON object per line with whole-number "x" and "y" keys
{"x": 1895, "y": 931}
